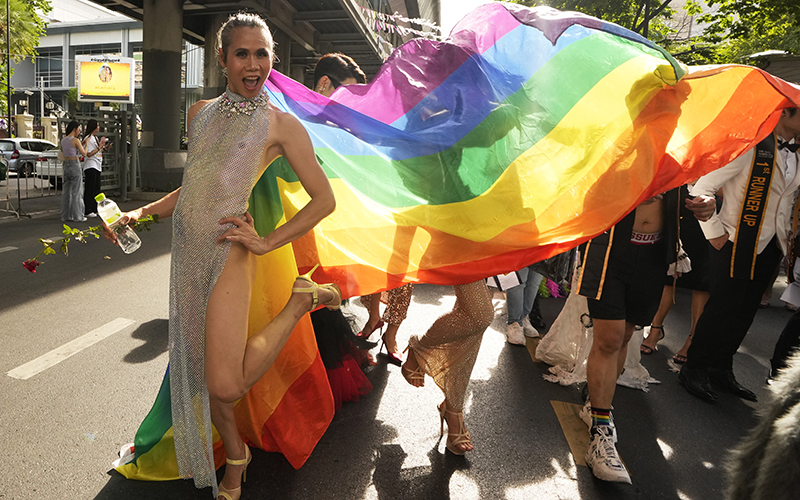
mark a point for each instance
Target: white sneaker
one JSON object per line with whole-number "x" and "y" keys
{"x": 586, "y": 416}
{"x": 514, "y": 334}
{"x": 91, "y": 215}
{"x": 603, "y": 459}
{"x": 528, "y": 328}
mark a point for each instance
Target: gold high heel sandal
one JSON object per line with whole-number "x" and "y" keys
{"x": 333, "y": 304}
{"x": 228, "y": 494}
{"x": 411, "y": 375}
{"x": 461, "y": 437}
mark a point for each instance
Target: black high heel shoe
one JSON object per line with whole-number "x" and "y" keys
{"x": 393, "y": 357}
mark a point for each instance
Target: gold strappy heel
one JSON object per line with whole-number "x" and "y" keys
{"x": 228, "y": 494}
{"x": 410, "y": 375}
{"x": 313, "y": 289}
{"x": 454, "y": 438}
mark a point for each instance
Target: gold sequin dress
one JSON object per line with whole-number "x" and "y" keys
{"x": 448, "y": 350}
{"x": 226, "y": 148}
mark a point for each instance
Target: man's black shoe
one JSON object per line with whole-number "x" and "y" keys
{"x": 725, "y": 380}
{"x": 696, "y": 382}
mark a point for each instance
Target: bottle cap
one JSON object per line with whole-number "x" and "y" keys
{"x": 100, "y": 197}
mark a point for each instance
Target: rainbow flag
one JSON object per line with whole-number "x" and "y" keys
{"x": 524, "y": 134}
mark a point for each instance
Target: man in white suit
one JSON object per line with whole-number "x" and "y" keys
{"x": 749, "y": 236}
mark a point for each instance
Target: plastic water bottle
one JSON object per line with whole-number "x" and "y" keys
{"x": 127, "y": 239}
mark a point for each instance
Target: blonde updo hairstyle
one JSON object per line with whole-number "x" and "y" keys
{"x": 242, "y": 20}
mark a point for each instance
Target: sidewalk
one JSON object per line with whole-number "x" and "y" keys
{"x": 35, "y": 207}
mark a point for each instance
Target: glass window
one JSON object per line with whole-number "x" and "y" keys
{"x": 136, "y": 50}
{"x": 49, "y": 66}
{"x": 6, "y": 146}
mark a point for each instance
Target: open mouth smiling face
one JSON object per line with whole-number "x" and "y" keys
{"x": 249, "y": 61}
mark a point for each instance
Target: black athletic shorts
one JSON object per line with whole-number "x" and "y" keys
{"x": 633, "y": 284}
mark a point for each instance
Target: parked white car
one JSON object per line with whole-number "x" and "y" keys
{"x": 49, "y": 167}
{"x": 22, "y": 153}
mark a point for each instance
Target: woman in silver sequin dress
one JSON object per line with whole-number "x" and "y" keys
{"x": 232, "y": 139}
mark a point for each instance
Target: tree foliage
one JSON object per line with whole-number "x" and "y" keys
{"x": 627, "y": 13}
{"x": 743, "y": 27}
{"x": 734, "y": 29}
{"x": 26, "y": 26}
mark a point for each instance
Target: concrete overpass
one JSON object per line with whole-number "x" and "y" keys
{"x": 303, "y": 31}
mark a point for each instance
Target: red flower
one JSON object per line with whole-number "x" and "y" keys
{"x": 31, "y": 265}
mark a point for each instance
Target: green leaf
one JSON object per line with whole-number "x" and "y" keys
{"x": 65, "y": 247}
{"x": 49, "y": 251}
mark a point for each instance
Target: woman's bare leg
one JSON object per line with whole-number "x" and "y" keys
{"x": 373, "y": 305}
{"x": 658, "y": 320}
{"x": 699, "y": 299}
{"x": 233, "y": 362}
{"x": 390, "y": 338}
{"x": 396, "y": 311}
{"x": 224, "y": 420}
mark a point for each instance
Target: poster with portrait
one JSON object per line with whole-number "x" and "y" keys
{"x": 104, "y": 78}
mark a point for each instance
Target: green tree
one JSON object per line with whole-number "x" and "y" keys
{"x": 627, "y": 13}
{"x": 743, "y": 27}
{"x": 26, "y": 27}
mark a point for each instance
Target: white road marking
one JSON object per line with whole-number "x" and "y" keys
{"x": 8, "y": 249}
{"x": 59, "y": 354}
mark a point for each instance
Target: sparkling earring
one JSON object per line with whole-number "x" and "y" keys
{"x": 225, "y": 72}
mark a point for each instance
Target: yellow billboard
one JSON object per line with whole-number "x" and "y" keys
{"x": 105, "y": 78}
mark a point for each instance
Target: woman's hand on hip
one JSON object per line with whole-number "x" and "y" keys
{"x": 244, "y": 233}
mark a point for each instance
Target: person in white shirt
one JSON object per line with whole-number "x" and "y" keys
{"x": 92, "y": 166}
{"x": 749, "y": 237}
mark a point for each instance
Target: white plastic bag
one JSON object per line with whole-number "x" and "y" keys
{"x": 562, "y": 344}
{"x": 635, "y": 375}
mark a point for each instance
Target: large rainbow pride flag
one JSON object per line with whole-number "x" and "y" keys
{"x": 525, "y": 133}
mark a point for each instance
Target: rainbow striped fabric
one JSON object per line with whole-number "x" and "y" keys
{"x": 526, "y": 133}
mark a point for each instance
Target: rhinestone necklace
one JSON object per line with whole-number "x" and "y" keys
{"x": 233, "y": 103}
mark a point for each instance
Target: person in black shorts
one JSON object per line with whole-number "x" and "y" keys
{"x": 622, "y": 278}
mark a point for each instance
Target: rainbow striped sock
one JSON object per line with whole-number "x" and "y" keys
{"x": 600, "y": 416}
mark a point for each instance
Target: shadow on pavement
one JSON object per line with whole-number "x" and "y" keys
{"x": 155, "y": 335}
{"x": 673, "y": 444}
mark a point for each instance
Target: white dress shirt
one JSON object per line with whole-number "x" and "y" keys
{"x": 733, "y": 179}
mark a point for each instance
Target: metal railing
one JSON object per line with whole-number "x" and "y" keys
{"x": 48, "y": 177}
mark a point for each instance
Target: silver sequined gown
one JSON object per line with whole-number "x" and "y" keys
{"x": 226, "y": 147}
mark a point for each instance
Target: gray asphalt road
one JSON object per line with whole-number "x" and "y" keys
{"x": 62, "y": 427}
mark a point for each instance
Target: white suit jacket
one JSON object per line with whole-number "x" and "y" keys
{"x": 733, "y": 179}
